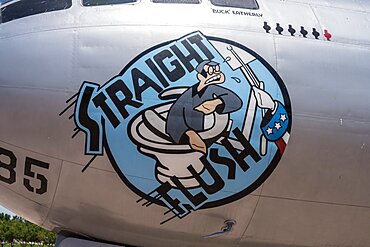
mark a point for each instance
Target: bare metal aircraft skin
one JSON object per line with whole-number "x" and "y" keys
{"x": 152, "y": 124}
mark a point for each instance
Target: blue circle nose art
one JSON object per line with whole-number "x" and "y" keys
{"x": 189, "y": 124}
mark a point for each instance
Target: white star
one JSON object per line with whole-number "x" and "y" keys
{"x": 277, "y": 126}
{"x": 282, "y": 117}
{"x": 269, "y": 131}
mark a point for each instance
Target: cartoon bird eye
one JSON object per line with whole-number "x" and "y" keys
{"x": 217, "y": 68}
{"x": 210, "y": 70}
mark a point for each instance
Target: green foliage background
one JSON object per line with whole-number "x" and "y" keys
{"x": 16, "y": 231}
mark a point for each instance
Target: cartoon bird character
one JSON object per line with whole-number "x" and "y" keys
{"x": 186, "y": 117}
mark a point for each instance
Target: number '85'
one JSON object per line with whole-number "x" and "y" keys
{"x": 8, "y": 162}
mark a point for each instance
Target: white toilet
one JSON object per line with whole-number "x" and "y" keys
{"x": 148, "y": 131}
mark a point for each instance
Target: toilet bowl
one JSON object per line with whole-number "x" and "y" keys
{"x": 148, "y": 131}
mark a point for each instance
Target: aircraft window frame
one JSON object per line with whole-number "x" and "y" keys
{"x": 110, "y": 3}
{"x": 177, "y": 1}
{"x": 229, "y": 4}
{"x": 15, "y": 10}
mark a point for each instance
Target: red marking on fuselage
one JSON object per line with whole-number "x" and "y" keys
{"x": 327, "y": 35}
